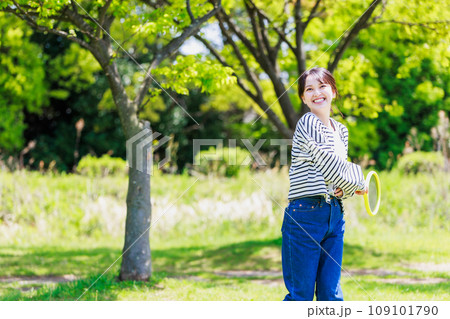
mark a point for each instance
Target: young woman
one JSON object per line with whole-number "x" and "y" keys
{"x": 320, "y": 178}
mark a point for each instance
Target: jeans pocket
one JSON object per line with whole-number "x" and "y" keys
{"x": 304, "y": 205}
{"x": 304, "y": 212}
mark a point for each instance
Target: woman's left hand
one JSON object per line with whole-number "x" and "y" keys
{"x": 338, "y": 192}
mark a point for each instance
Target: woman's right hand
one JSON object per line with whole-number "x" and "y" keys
{"x": 362, "y": 192}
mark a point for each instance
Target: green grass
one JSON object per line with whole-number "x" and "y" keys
{"x": 218, "y": 232}
{"x": 194, "y": 273}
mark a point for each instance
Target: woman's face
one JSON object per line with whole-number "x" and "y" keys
{"x": 318, "y": 96}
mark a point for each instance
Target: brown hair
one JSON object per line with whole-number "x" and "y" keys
{"x": 323, "y": 76}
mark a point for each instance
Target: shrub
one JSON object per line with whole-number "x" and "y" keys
{"x": 102, "y": 166}
{"x": 421, "y": 162}
{"x": 224, "y": 161}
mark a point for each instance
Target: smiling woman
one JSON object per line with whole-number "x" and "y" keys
{"x": 318, "y": 91}
{"x": 320, "y": 178}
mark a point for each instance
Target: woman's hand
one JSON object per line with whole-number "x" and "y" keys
{"x": 362, "y": 192}
{"x": 338, "y": 192}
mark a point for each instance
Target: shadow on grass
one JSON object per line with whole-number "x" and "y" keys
{"x": 171, "y": 262}
{"x": 260, "y": 255}
{"x": 107, "y": 287}
{"x": 178, "y": 261}
{"x": 54, "y": 260}
{"x": 247, "y": 255}
{"x": 357, "y": 256}
{"x": 390, "y": 292}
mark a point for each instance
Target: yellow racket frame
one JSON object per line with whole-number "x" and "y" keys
{"x": 366, "y": 197}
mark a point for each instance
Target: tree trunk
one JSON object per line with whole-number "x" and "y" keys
{"x": 136, "y": 259}
{"x": 303, "y": 109}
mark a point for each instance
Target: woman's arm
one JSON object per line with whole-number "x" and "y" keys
{"x": 344, "y": 134}
{"x": 345, "y": 175}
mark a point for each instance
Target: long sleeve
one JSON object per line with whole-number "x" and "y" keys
{"x": 342, "y": 173}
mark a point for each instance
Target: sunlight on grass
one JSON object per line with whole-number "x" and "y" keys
{"x": 220, "y": 241}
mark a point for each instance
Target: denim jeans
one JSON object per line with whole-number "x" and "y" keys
{"x": 308, "y": 222}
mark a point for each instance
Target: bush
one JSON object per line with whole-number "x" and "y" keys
{"x": 421, "y": 162}
{"x": 224, "y": 161}
{"x": 102, "y": 166}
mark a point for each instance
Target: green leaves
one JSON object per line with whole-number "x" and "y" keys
{"x": 428, "y": 93}
{"x": 74, "y": 70}
{"x": 22, "y": 85}
{"x": 356, "y": 82}
{"x": 192, "y": 71}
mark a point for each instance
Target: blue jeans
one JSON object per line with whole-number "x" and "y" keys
{"x": 308, "y": 222}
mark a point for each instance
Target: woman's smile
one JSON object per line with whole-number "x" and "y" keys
{"x": 319, "y": 100}
{"x": 317, "y": 94}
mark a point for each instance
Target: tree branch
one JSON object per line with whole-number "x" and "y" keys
{"x": 213, "y": 51}
{"x": 222, "y": 60}
{"x": 261, "y": 32}
{"x": 262, "y": 57}
{"x": 425, "y": 25}
{"x": 311, "y": 14}
{"x": 30, "y": 21}
{"x": 101, "y": 17}
{"x": 287, "y": 133}
{"x": 271, "y": 69}
{"x": 301, "y": 63}
{"x": 277, "y": 46}
{"x": 252, "y": 77}
{"x": 171, "y": 47}
{"x": 188, "y": 8}
{"x": 345, "y": 42}
{"x": 222, "y": 16}
{"x": 258, "y": 97}
{"x": 265, "y": 38}
{"x": 257, "y": 32}
{"x": 66, "y": 15}
{"x": 383, "y": 9}
{"x": 279, "y": 31}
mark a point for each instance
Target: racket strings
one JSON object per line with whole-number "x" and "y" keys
{"x": 373, "y": 194}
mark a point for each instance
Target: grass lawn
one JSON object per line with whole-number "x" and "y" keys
{"x": 221, "y": 245}
{"x": 242, "y": 269}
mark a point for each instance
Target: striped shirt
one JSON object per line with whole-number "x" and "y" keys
{"x": 315, "y": 163}
{"x": 341, "y": 151}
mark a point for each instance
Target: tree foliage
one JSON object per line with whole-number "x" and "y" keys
{"x": 22, "y": 85}
{"x": 270, "y": 43}
{"x": 165, "y": 26}
{"x": 408, "y": 49}
{"x": 387, "y": 56}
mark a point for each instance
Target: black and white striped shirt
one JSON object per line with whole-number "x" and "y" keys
{"x": 315, "y": 164}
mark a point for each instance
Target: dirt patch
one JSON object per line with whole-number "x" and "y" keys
{"x": 249, "y": 273}
{"x": 405, "y": 277}
{"x": 413, "y": 281}
{"x": 190, "y": 277}
{"x": 374, "y": 272}
{"x": 28, "y": 283}
{"x": 269, "y": 282}
{"x": 41, "y": 280}
{"x": 345, "y": 273}
{"x": 430, "y": 267}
